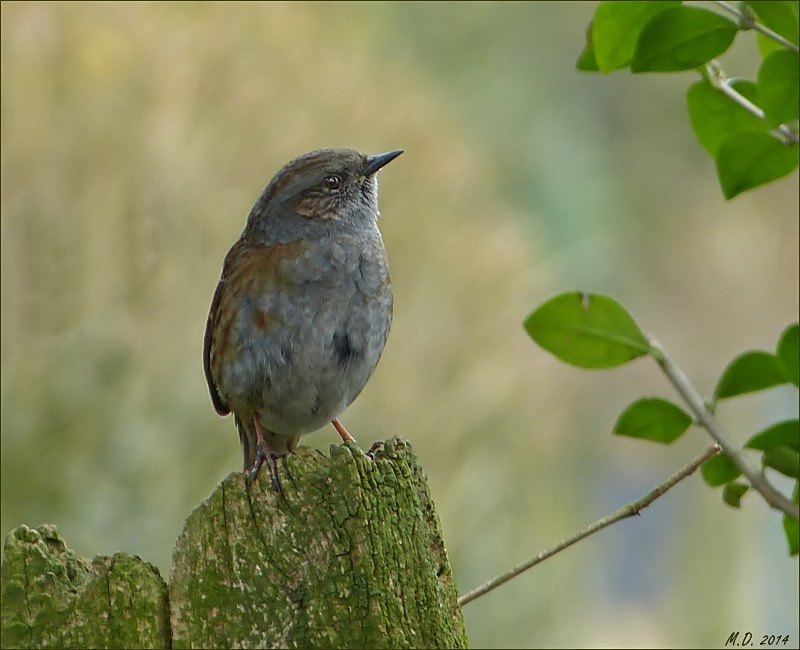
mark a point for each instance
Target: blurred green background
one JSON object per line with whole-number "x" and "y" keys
{"x": 135, "y": 138}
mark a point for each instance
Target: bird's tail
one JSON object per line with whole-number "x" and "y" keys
{"x": 247, "y": 438}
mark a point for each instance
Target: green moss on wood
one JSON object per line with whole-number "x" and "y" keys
{"x": 350, "y": 556}
{"x": 52, "y": 598}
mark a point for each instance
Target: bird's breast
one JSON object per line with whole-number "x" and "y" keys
{"x": 305, "y": 327}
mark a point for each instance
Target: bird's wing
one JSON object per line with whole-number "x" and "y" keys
{"x": 249, "y": 269}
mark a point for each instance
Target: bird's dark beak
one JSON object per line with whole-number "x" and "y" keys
{"x": 374, "y": 163}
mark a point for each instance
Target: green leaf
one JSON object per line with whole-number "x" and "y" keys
{"x": 719, "y": 469}
{"x": 733, "y": 492}
{"x": 749, "y": 158}
{"x": 782, "y": 459}
{"x": 682, "y": 38}
{"x": 791, "y": 526}
{"x": 587, "y": 330}
{"x": 714, "y": 116}
{"x": 788, "y": 352}
{"x": 586, "y": 61}
{"x": 778, "y": 87}
{"x": 785, "y": 434}
{"x": 655, "y": 419}
{"x": 780, "y": 17}
{"x": 767, "y": 45}
{"x": 616, "y": 27}
{"x": 749, "y": 372}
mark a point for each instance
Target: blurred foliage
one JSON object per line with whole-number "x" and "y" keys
{"x": 135, "y": 138}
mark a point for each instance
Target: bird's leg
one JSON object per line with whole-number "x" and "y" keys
{"x": 346, "y": 436}
{"x": 342, "y": 431}
{"x": 264, "y": 453}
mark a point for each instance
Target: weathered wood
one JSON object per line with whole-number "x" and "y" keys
{"x": 350, "y": 556}
{"x": 51, "y": 598}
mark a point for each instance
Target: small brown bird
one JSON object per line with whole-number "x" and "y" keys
{"x": 301, "y": 313}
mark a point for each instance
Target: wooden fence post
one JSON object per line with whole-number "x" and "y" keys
{"x": 351, "y": 555}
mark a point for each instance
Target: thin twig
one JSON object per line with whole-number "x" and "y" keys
{"x": 748, "y": 22}
{"x": 626, "y": 511}
{"x": 722, "y": 83}
{"x": 705, "y": 419}
{"x": 716, "y": 77}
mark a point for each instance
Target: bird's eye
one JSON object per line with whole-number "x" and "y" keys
{"x": 332, "y": 182}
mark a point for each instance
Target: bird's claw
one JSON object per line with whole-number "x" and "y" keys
{"x": 270, "y": 458}
{"x": 374, "y": 448}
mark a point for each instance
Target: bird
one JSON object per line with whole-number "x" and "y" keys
{"x": 303, "y": 307}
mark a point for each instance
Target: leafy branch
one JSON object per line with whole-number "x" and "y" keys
{"x": 595, "y": 331}
{"x": 706, "y": 419}
{"x": 750, "y": 128}
{"x": 714, "y": 74}
{"x": 751, "y": 131}
{"x": 748, "y": 21}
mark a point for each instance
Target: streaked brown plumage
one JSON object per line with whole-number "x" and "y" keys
{"x": 301, "y": 313}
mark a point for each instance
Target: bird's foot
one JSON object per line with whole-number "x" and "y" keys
{"x": 374, "y": 448}
{"x": 265, "y": 455}
{"x": 269, "y": 457}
